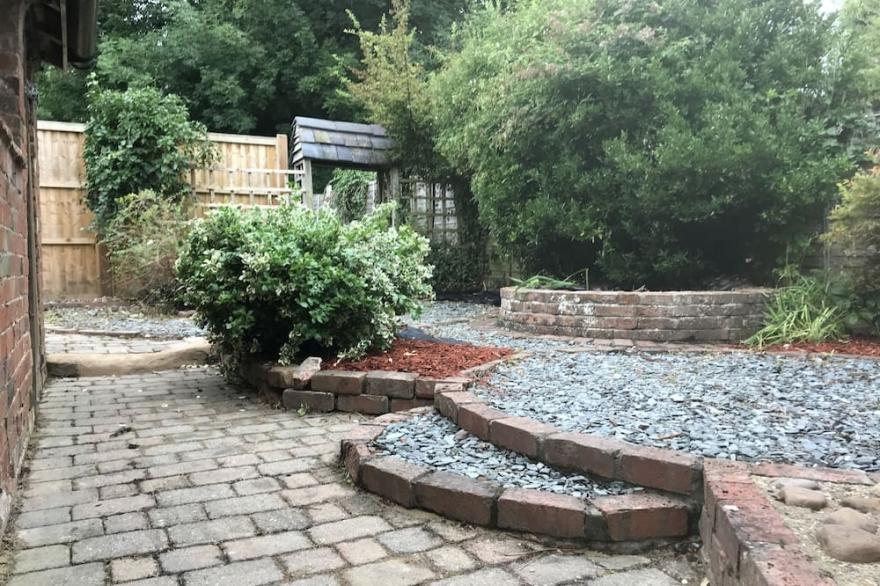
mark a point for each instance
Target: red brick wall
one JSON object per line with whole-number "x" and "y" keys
{"x": 17, "y": 341}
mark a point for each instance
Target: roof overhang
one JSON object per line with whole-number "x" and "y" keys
{"x": 343, "y": 144}
{"x": 66, "y": 32}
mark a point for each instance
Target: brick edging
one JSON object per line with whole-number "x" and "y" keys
{"x": 667, "y": 470}
{"x": 620, "y": 518}
{"x": 745, "y": 540}
{"x": 370, "y": 393}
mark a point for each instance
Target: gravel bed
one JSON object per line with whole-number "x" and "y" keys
{"x": 433, "y": 441}
{"x": 122, "y": 319}
{"x": 744, "y": 406}
{"x": 450, "y": 320}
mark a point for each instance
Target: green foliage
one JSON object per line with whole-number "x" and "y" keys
{"x": 391, "y": 85}
{"x": 803, "y": 310}
{"x": 855, "y": 227}
{"x": 281, "y": 280}
{"x": 143, "y": 241}
{"x": 350, "y": 191}
{"x": 238, "y": 65}
{"x": 545, "y": 282}
{"x": 661, "y": 143}
{"x": 138, "y": 140}
{"x": 458, "y": 268}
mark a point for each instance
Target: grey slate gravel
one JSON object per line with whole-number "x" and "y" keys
{"x": 737, "y": 405}
{"x": 122, "y": 319}
{"x": 433, "y": 441}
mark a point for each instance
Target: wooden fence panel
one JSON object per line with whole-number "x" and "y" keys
{"x": 251, "y": 170}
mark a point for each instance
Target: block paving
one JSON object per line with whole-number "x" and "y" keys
{"x": 180, "y": 479}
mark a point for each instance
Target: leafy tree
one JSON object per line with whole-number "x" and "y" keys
{"x": 238, "y": 65}
{"x": 663, "y": 143}
{"x": 138, "y": 140}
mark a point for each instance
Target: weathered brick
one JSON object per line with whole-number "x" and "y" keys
{"x": 191, "y": 558}
{"x": 128, "y": 569}
{"x": 581, "y": 452}
{"x": 43, "y": 517}
{"x": 520, "y": 434}
{"x": 61, "y": 499}
{"x": 164, "y": 517}
{"x": 458, "y": 497}
{"x": 310, "y": 495}
{"x": 366, "y": 404}
{"x": 311, "y": 401}
{"x": 126, "y": 522}
{"x": 339, "y": 382}
{"x": 251, "y": 573}
{"x": 425, "y": 387}
{"x": 266, "y": 545}
{"x": 354, "y": 456}
{"x": 668, "y": 470}
{"x": 244, "y": 505}
{"x": 183, "y": 496}
{"x": 211, "y": 531}
{"x": 118, "y": 545}
{"x": 542, "y": 512}
{"x": 82, "y": 575}
{"x": 62, "y": 533}
{"x": 448, "y": 403}
{"x": 113, "y": 507}
{"x": 476, "y": 417}
{"x": 41, "y": 558}
{"x": 392, "y": 478}
{"x": 398, "y": 405}
{"x": 633, "y": 517}
{"x": 389, "y": 571}
{"x": 348, "y": 529}
{"x": 398, "y": 385}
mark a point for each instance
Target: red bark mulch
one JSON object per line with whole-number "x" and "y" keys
{"x": 853, "y": 346}
{"x": 432, "y": 359}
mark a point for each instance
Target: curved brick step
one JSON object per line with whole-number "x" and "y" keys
{"x": 667, "y": 470}
{"x": 633, "y": 517}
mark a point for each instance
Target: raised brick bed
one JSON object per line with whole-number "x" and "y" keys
{"x": 667, "y": 470}
{"x": 623, "y": 518}
{"x": 370, "y": 393}
{"x": 666, "y": 316}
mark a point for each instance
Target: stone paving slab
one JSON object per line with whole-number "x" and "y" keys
{"x": 178, "y": 478}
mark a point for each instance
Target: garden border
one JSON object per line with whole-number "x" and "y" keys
{"x": 620, "y": 518}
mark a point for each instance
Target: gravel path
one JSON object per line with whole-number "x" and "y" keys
{"x": 122, "y": 319}
{"x": 815, "y": 411}
{"x": 434, "y": 441}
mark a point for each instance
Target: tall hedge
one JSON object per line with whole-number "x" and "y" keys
{"x": 660, "y": 143}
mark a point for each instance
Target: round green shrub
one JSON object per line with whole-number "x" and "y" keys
{"x": 285, "y": 280}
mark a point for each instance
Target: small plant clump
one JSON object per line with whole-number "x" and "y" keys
{"x": 804, "y": 309}
{"x": 284, "y": 280}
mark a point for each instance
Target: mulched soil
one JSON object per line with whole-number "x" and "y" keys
{"x": 854, "y": 346}
{"x": 427, "y": 358}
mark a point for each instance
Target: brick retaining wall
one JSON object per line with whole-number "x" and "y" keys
{"x": 666, "y": 316}
{"x": 21, "y": 356}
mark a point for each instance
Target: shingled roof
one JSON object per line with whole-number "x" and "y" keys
{"x": 340, "y": 143}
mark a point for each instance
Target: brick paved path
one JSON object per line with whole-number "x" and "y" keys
{"x": 205, "y": 485}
